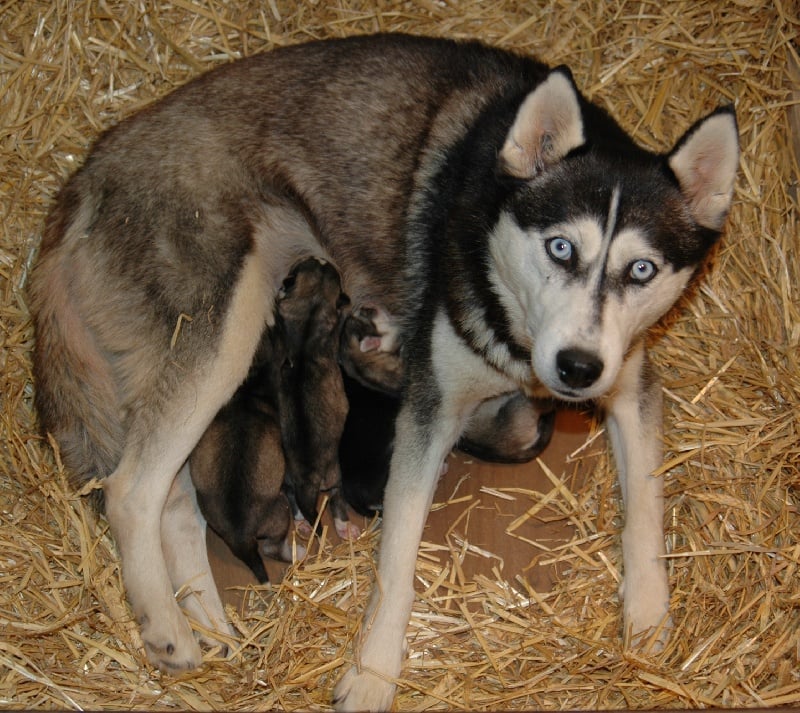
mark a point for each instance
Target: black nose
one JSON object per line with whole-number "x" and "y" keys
{"x": 577, "y": 368}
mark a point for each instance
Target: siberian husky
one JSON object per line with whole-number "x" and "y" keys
{"x": 520, "y": 237}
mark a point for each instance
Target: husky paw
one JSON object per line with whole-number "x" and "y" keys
{"x": 209, "y": 614}
{"x": 170, "y": 645}
{"x": 644, "y": 613}
{"x": 363, "y": 691}
{"x": 347, "y": 530}
{"x": 212, "y": 642}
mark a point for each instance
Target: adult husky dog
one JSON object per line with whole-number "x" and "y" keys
{"x": 523, "y": 241}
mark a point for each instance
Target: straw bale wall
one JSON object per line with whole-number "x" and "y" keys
{"x": 730, "y": 357}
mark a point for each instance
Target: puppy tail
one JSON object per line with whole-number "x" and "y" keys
{"x": 75, "y": 397}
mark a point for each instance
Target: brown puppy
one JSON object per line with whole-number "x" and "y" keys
{"x": 279, "y": 434}
{"x": 511, "y": 428}
{"x": 238, "y": 466}
{"x": 311, "y": 397}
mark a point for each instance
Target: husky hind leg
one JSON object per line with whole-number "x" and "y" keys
{"x": 138, "y": 490}
{"x": 76, "y": 395}
{"x": 183, "y": 540}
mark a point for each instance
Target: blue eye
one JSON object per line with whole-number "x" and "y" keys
{"x": 642, "y": 271}
{"x": 560, "y": 250}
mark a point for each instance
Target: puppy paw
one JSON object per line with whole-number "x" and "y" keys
{"x": 289, "y": 550}
{"x": 363, "y": 691}
{"x": 347, "y": 530}
{"x": 303, "y": 527}
{"x": 170, "y": 644}
{"x": 387, "y": 330}
{"x": 370, "y": 344}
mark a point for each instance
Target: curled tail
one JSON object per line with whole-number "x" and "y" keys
{"x": 76, "y": 396}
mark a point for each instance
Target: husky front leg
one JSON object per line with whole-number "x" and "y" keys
{"x": 420, "y": 449}
{"x": 634, "y": 423}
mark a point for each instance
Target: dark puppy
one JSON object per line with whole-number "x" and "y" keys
{"x": 372, "y": 370}
{"x": 238, "y": 466}
{"x": 510, "y": 428}
{"x": 312, "y": 401}
{"x": 275, "y": 442}
{"x": 237, "y": 469}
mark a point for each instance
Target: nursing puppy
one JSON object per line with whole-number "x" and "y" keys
{"x": 239, "y": 467}
{"x": 511, "y": 428}
{"x": 372, "y": 371}
{"x": 312, "y": 401}
{"x": 522, "y": 240}
{"x": 293, "y": 398}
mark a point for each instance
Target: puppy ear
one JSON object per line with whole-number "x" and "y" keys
{"x": 547, "y": 127}
{"x": 705, "y": 161}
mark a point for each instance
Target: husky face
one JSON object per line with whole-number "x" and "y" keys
{"x": 583, "y": 271}
{"x": 600, "y": 236}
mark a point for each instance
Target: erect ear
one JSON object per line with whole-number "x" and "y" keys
{"x": 547, "y": 127}
{"x": 704, "y": 161}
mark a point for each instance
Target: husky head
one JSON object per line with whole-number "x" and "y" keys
{"x": 600, "y": 237}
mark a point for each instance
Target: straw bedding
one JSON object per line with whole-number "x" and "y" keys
{"x": 69, "y": 68}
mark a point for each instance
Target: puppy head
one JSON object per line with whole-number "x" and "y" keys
{"x": 310, "y": 299}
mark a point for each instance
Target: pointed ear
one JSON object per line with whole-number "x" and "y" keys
{"x": 547, "y": 127}
{"x": 705, "y": 161}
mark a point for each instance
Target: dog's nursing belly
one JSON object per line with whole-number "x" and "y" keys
{"x": 512, "y": 227}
